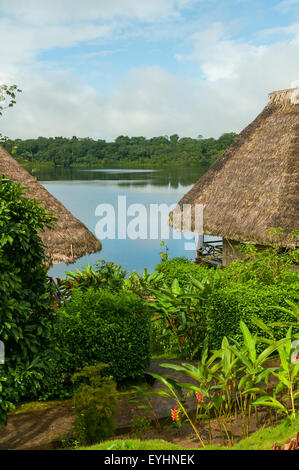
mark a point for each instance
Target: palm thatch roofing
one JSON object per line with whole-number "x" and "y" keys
{"x": 253, "y": 186}
{"x": 70, "y": 238}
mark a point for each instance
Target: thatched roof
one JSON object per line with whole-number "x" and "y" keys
{"x": 70, "y": 238}
{"x": 253, "y": 186}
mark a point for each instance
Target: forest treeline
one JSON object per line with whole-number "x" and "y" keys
{"x": 134, "y": 151}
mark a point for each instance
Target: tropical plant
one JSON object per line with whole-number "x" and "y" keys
{"x": 26, "y": 304}
{"x": 266, "y": 266}
{"x": 288, "y": 380}
{"x": 142, "y": 284}
{"x": 105, "y": 275}
{"x": 180, "y": 313}
{"x": 229, "y": 382}
{"x": 95, "y": 405}
{"x": 173, "y": 393}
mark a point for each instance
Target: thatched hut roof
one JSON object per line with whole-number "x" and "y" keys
{"x": 70, "y": 238}
{"x": 253, "y": 186}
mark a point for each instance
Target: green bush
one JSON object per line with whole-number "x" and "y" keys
{"x": 26, "y": 314}
{"x": 268, "y": 266}
{"x": 235, "y": 302}
{"x": 104, "y": 275}
{"x": 97, "y": 325}
{"x": 181, "y": 269}
{"x": 178, "y": 326}
{"x": 95, "y": 405}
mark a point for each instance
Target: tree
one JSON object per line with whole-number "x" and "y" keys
{"x": 26, "y": 312}
{"x": 174, "y": 138}
{"x": 7, "y": 100}
{"x": 8, "y": 96}
{"x": 25, "y": 292}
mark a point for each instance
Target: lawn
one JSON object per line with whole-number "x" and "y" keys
{"x": 263, "y": 439}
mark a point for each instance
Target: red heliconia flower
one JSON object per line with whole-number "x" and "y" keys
{"x": 175, "y": 414}
{"x": 79, "y": 280}
{"x": 229, "y": 384}
{"x": 199, "y": 397}
{"x": 182, "y": 339}
{"x": 89, "y": 275}
{"x": 71, "y": 285}
{"x": 156, "y": 317}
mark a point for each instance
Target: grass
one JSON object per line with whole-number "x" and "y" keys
{"x": 164, "y": 356}
{"x": 263, "y": 439}
{"x": 28, "y": 407}
{"x": 126, "y": 389}
{"x": 134, "y": 444}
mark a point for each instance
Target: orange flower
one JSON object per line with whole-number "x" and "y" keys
{"x": 175, "y": 414}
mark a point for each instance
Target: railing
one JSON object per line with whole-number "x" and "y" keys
{"x": 210, "y": 253}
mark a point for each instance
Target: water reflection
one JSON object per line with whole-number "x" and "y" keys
{"x": 81, "y": 191}
{"x": 174, "y": 177}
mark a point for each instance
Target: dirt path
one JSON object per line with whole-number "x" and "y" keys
{"x": 44, "y": 427}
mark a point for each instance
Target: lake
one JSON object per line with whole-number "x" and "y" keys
{"x": 83, "y": 190}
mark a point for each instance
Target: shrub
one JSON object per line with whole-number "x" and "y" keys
{"x": 25, "y": 294}
{"x": 235, "y": 302}
{"x": 268, "y": 266}
{"x": 104, "y": 275}
{"x": 181, "y": 269}
{"x": 100, "y": 326}
{"x": 179, "y": 320}
{"x": 95, "y": 405}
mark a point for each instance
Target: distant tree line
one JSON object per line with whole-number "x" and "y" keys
{"x": 134, "y": 151}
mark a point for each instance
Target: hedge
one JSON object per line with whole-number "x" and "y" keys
{"x": 232, "y": 303}
{"x": 181, "y": 269}
{"x": 100, "y": 326}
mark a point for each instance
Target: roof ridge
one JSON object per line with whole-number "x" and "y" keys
{"x": 288, "y": 96}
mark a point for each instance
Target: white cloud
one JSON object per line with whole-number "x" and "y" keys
{"x": 229, "y": 90}
{"x": 147, "y": 101}
{"x": 23, "y": 44}
{"x": 68, "y": 11}
{"x": 287, "y": 5}
{"x": 243, "y": 69}
{"x": 28, "y": 27}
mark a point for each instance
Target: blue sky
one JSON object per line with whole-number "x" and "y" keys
{"x": 103, "y": 68}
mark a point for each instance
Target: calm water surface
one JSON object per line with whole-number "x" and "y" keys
{"x": 81, "y": 191}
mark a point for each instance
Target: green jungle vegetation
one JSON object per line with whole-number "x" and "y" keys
{"x": 88, "y": 335}
{"x": 263, "y": 439}
{"x": 96, "y": 330}
{"x": 134, "y": 152}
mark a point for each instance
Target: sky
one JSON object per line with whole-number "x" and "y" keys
{"x": 104, "y": 68}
